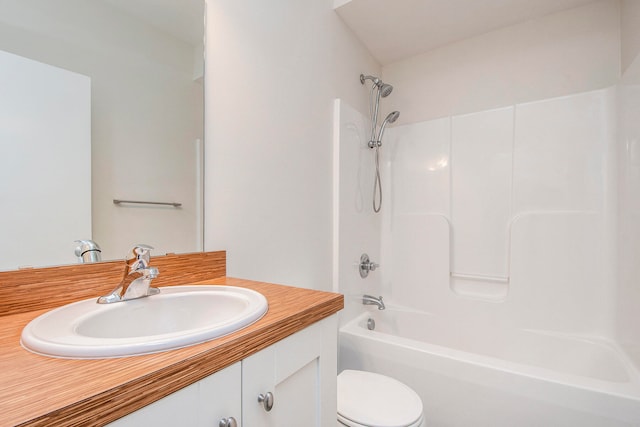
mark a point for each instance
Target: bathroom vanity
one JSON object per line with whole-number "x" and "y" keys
{"x": 290, "y": 353}
{"x": 281, "y": 385}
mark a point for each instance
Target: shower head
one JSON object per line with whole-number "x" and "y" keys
{"x": 384, "y": 89}
{"x": 391, "y": 118}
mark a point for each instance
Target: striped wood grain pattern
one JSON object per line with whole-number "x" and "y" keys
{"x": 42, "y": 391}
{"x": 39, "y": 288}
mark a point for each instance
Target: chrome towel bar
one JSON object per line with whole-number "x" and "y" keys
{"x": 140, "y": 202}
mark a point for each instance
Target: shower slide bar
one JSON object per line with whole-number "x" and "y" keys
{"x": 140, "y": 202}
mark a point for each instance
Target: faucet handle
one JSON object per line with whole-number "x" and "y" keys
{"x": 139, "y": 256}
{"x": 366, "y": 265}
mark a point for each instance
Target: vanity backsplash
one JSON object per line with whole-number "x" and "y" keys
{"x": 42, "y": 288}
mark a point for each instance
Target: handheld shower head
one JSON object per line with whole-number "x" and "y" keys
{"x": 391, "y": 118}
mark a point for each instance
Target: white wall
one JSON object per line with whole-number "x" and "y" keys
{"x": 273, "y": 72}
{"x": 568, "y": 52}
{"x": 146, "y": 115}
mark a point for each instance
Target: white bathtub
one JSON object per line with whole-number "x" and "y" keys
{"x": 509, "y": 377}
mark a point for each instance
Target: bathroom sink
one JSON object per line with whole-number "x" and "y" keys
{"x": 178, "y": 316}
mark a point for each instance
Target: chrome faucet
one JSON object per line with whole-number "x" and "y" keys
{"x": 137, "y": 277}
{"x": 369, "y": 300}
{"x": 88, "y": 251}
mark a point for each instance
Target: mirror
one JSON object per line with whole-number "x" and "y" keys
{"x": 142, "y": 61}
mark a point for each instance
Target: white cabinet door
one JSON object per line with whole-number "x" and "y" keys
{"x": 299, "y": 372}
{"x": 177, "y": 409}
{"x": 219, "y": 397}
{"x": 201, "y": 404}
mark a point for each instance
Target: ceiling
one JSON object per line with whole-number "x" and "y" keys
{"x": 175, "y": 17}
{"x": 396, "y": 29}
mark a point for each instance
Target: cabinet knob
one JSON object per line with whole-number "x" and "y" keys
{"x": 228, "y": 422}
{"x": 266, "y": 400}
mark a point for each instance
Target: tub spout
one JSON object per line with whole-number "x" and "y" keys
{"x": 370, "y": 300}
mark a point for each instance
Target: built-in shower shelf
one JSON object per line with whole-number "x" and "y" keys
{"x": 486, "y": 288}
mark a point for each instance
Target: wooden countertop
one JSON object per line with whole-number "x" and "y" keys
{"x": 42, "y": 391}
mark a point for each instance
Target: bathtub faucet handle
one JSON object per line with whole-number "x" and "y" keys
{"x": 366, "y": 265}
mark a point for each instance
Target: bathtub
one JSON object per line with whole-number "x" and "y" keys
{"x": 510, "y": 377}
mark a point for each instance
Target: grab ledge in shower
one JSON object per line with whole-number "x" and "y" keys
{"x": 479, "y": 287}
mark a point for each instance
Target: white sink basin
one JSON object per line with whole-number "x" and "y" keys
{"x": 178, "y": 316}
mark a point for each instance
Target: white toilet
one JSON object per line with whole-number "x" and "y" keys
{"x": 367, "y": 399}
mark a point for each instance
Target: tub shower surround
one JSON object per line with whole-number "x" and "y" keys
{"x": 510, "y": 205}
{"x": 497, "y": 253}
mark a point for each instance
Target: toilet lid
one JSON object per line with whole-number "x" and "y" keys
{"x": 377, "y": 400}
